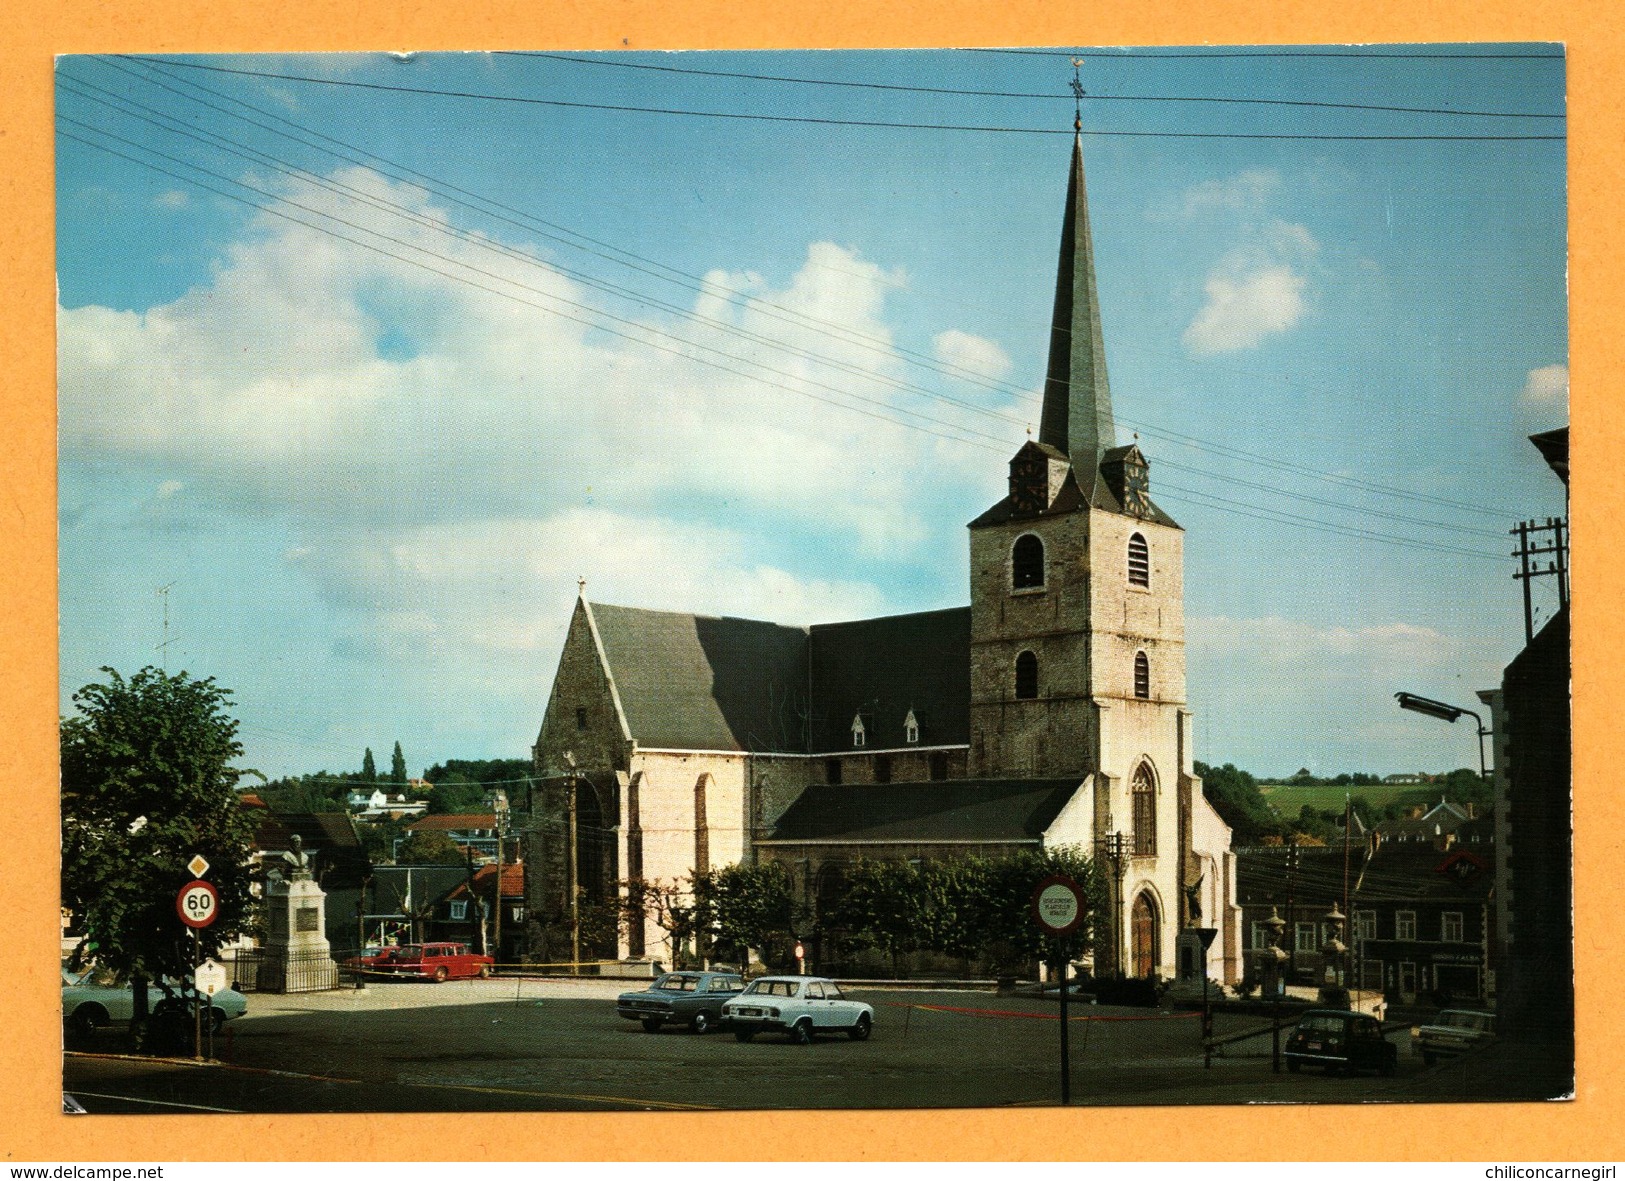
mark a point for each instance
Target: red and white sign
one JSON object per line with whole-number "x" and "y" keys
{"x": 197, "y": 904}
{"x": 1058, "y": 905}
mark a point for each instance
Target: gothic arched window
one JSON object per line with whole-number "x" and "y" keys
{"x": 1026, "y": 676}
{"x": 1027, "y": 563}
{"x": 1144, "y": 794}
{"x": 1139, "y": 561}
{"x": 1142, "y": 676}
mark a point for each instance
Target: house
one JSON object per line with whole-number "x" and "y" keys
{"x": 1052, "y": 708}
{"x": 473, "y": 832}
{"x": 467, "y": 914}
{"x": 1418, "y": 916}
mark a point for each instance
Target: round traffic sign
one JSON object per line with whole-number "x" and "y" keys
{"x": 197, "y": 904}
{"x": 1058, "y": 905}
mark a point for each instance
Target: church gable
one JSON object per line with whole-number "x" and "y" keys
{"x": 694, "y": 682}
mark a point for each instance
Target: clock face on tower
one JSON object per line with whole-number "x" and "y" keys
{"x": 1028, "y": 484}
{"x": 1136, "y": 489}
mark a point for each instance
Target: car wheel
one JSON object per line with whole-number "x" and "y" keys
{"x": 88, "y": 1018}
{"x": 1430, "y": 1059}
{"x": 440, "y": 975}
{"x": 1293, "y": 1065}
{"x": 744, "y": 1035}
{"x": 217, "y": 1018}
{"x": 1388, "y": 1068}
{"x": 485, "y": 971}
{"x": 860, "y": 1031}
{"x": 802, "y": 1033}
{"x": 651, "y": 1025}
{"x": 701, "y": 1023}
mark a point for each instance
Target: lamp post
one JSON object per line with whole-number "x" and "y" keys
{"x": 1448, "y": 713}
{"x": 1274, "y": 961}
{"x": 501, "y": 810}
{"x": 575, "y": 886}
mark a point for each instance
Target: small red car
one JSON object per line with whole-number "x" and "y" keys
{"x": 432, "y": 961}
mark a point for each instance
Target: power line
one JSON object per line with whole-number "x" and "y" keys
{"x": 1274, "y": 515}
{"x": 878, "y": 345}
{"x": 1137, "y": 54}
{"x": 808, "y": 119}
{"x": 440, "y": 227}
{"x": 1277, "y": 102}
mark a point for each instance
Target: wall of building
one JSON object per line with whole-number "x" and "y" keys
{"x": 1054, "y": 734}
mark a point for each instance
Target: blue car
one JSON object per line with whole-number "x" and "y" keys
{"x": 693, "y": 999}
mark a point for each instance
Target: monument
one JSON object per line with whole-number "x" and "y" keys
{"x": 297, "y": 955}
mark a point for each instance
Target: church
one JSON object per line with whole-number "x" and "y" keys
{"x": 1051, "y": 711}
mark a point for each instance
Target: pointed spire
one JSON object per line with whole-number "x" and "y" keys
{"x": 1077, "y": 398}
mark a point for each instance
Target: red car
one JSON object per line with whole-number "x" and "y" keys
{"x": 432, "y": 961}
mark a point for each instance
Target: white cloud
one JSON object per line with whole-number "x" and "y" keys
{"x": 1245, "y": 190}
{"x": 1547, "y": 386}
{"x": 982, "y": 357}
{"x": 441, "y": 463}
{"x": 1239, "y": 313}
{"x": 172, "y": 199}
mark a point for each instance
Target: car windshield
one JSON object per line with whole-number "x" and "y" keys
{"x": 1321, "y": 1024}
{"x": 1478, "y": 1021}
{"x": 775, "y": 987}
{"x": 675, "y": 983}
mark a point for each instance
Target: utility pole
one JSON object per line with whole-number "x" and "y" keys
{"x": 1291, "y": 926}
{"x": 496, "y": 918}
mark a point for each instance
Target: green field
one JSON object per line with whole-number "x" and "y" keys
{"x": 1288, "y": 799}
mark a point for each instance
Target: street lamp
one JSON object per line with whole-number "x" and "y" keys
{"x": 1447, "y": 713}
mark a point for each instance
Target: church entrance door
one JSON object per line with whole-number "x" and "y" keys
{"x": 1143, "y": 932}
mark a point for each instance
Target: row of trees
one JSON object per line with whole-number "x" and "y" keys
{"x": 975, "y": 909}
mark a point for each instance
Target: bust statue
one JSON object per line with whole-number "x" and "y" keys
{"x": 296, "y": 860}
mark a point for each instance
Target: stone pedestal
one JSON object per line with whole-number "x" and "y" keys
{"x": 297, "y": 955}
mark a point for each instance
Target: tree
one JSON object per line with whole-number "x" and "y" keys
{"x": 429, "y": 847}
{"x": 1235, "y": 797}
{"x": 454, "y": 796}
{"x": 369, "y": 769}
{"x": 747, "y": 905}
{"x": 147, "y": 783}
{"x": 397, "y": 766}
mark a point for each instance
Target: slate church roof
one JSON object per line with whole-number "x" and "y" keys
{"x": 990, "y": 811}
{"x": 695, "y": 682}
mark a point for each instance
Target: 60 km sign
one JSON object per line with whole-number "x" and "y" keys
{"x": 197, "y": 904}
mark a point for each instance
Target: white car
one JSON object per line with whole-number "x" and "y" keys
{"x": 800, "y": 1006}
{"x": 91, "y": 999}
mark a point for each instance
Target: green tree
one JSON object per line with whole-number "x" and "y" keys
{"x": 1235, "y": 797}
{"x": 397, "y": 766}
{"x": 369, "y": 769}
{"x": 747, "y": 906}
{"x": 455, "y": 795}
{"x": 430, "y": 847}
{"x": 147, "y": 782}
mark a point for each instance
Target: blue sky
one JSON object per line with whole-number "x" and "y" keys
{"x": 772, "y": 368}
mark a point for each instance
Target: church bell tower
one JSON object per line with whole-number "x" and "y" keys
{"x": 1077, "y": 616}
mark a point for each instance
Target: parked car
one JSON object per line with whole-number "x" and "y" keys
{"x": 800, "y": 1006}
{"x": 694, "y": 999}
{"x": 1341, "y": 1041}
{"x": 1454, "y": 1031}
{"x": 93, "y": 998}
{"x": 433, "y": 961}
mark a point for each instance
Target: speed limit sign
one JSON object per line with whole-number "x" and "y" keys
{"x": 197, "y": 904}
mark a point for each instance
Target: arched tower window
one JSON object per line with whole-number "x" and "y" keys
{"x": 1144, "y": 793}
{"x": 702, "y": 825}
{"x": 1142, "y": 676}
{"x": 1026, "y": 676}
{"x": 1139, "y": 561}
{"x": 1027, "y": 563}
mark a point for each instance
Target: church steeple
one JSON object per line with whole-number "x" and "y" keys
{"x": 1077, "y": 398}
